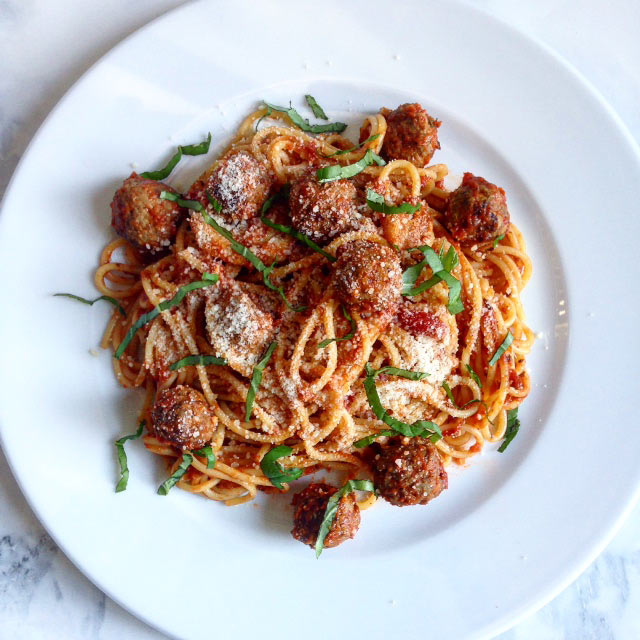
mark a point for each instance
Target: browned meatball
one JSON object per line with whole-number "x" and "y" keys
{"x": 368, "y": 276}
{"x": 409, "y": 471}
{"x": 143, "y": 218}
{"x": 239, "y": 182}
{"x": 412, "y": 134}
{"x": 311, "y": 504}
{"x": 476, "y": 212}
{"x": 182, "y": 416}
{"x": 322, "y": 210}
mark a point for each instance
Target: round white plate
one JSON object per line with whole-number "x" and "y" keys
{"x": 514, "y": 528}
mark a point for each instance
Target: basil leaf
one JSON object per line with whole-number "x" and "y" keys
{"x": 187, "y": 150}
{"x": 497, "y": 240}
{"x": 256, "y": 379}
{"x": 122, "y": 457}
{"x": 332, "y": 509}
{"x": 513, "y": 426}
{"x": 266, "y": 115}
{"x": 274, "y": 470}
{"x": 197, "y": 359}
{"x": 506, "y": 343}
{"x": 402, "y": 373}
{"x": 109, "y": 299}
{"x": 187, "y": 204}
{"x": 246, "y": 253}
{"x": 298, "y": 235}
{"x": 338, "y": 172}
{"x": 302, "y": 123}
{"x": 207, "y": 280}
{"x": 207, "y": 452}
{"x": 377, "y": 203}
{"x": 366, "y": 441}
{"x": 474, "y": 375}
{"x": 358, "y": 146}
{"x": 172, "y": 480}
{"x": 422, "y": 428}
{"x": 348, "y": 336}
{"x": 318, "y": 111}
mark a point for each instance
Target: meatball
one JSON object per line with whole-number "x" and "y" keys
{"x": 476, "y": 212}
{"x": 182, "y": 416}
{"x": 322, "y": 210}
{"x": 239, "y": 182}
{"x": 311, "y": 504}
{"x": 412, "y": 134}
{"x": 139, "y": 215}
{"x": 409, "y": 471}
{"x": 368, "y": 276}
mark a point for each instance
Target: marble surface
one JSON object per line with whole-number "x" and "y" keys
{"x": 44, "y": 47}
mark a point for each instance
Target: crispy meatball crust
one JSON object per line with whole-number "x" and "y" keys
{"x": 412, "y": 134}
{"x": 477, "y": 212}
{"x": 322, "y": 210}
{"x": 368, "y": 276}
{"x": 311, "y": 504}
{"x": 182, "y": 416}
{"x": 409, "y": 471}
{"x": 239, "y": 182}
{"x": 139, "y": 215}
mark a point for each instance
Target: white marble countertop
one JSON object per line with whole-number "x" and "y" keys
{"x": 44, "y": 47}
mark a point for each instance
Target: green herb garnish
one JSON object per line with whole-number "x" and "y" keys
{"x": 318, "y": 111}
{"x": 207, "y": 280}
{"x": 194, "y": 205}
{"x": 348, "y": 336}
{"x": 302, "y": 123}
{"x": 495, "y": 242}
{"x": 256, "y": 379}
{"x": 187, "y": 150}
{"x": 377, "y": 203}
{"x": 298, "y": 235}
{"x": 513, "y": 426}
{"x": 341, "y": 152}
{"x": 474, "y": 375}
{"x": 108, "y": 299}
{"x": 122, "y": 457}
{"x": 172, "y": 480}
{"x": 338, "y": 172}
{"x": 273, "y": 470}
{"x": 332, "y": 508}
{"x": 197, "y": 359}
{"x": 506, "y": 343}
{"x": 207, "y": 452}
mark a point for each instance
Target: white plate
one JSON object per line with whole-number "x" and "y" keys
{"x": 514, "y": 528}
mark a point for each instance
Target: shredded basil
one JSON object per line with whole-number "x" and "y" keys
{"x": 298, "y": 235}
{"x": 447, "y": 389}
{"x": 474, "y": 375}
{"x": 302, "y": 123}
{"x": 341, "y": 152}
{"x": 197, "y": 359}
{"x": 273, "y": 470}
{"x": 495, "y": 242}
{"x": 348, "y": 336}
{"x": 377, "y": 203}
{"x": 506, "y": 343}
{"x": 338, "y": 172}
{"x": 108, "y": 299}
{"x": 187, "y": 204}
{"x": 332, "y": 509}
{"x": 318, "y": 111}
{"x": 366, "y": 441}
{"x": 207, "y": 280}
{"x": 256, "y": 379}
{"x": 422, "y": 428}
{"x": 207, "y": 452}
{"x": 441, "y": 267}
{"x": 172, "y": 480}
{"x": 513, "y": 426}
{"x": 187, "y": 150}
{"x": 122, "y": 457}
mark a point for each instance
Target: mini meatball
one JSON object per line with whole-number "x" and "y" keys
{"x": 182, "y": 416}
{"x": 322, "y": 210}
{"x": 139, "y": 215}
{"x": 406, "y": 230}
{"x": 409, "y": 471}
{"x": 311, "y": 504}
{"x": 239, "y": 182}
{"x": 476, "y": 212}
{"x": 368, "y": 276}
{"x": 412, "y": 134}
